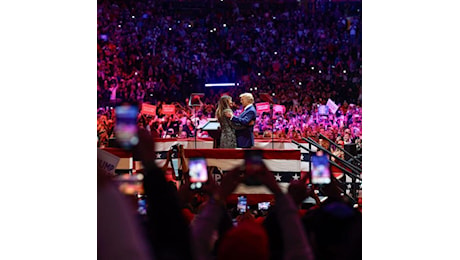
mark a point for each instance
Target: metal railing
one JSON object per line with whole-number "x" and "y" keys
{"x": 353, "y": 157}
{"x": 354, "y": 172}
{"x": 352, "y": 167}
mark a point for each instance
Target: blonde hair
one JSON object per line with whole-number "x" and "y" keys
{"x": 248, "y": 96}
{"x": 223, "y": 104}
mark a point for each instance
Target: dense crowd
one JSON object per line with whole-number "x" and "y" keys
{"x": 187, "y": 223}
{"x": 156, "y": 53}
{"x": 300, "y": 53}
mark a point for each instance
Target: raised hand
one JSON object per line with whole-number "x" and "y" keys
{"x": 145, "y": 149}
{"x": 266, "y": 178}
{"x": 229, "y": 182}
{"x": 184, "y": 193}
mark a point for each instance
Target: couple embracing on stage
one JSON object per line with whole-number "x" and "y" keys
{"x": 236, "y": 131}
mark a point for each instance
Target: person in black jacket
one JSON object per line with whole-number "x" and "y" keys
{"x": 167, "y": 228}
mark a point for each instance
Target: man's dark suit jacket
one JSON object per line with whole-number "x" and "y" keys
{"x": 245, "y": 137}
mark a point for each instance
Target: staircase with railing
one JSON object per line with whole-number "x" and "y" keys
{"x": 350, "y": 183}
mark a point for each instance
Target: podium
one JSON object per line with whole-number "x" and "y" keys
{"x": 213, "y": 129}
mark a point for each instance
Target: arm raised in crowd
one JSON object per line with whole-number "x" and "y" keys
{"x": 119, "y": 235}
{"x": 208, "y": 220}
{"x": 168, "y": 160}
{"x": 296, "y": 245}
{"x": 167, "y": 228}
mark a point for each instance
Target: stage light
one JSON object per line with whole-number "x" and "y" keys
{"x": 119, "y": 26}
{"x": 273, "y": 94}
{"x": 224, "y": 25}
{"x": 312, "y": 68}
{"x": 215, "y": 29}
{"x": 255, "y": 88}
{"x": 250, "y": 89}
{"x": 210, "y": 30}
{"x": 258, "y": 74}
{"x": 189, "y": 26}
{"x": 300, "y": 83}
{"x": 319, "y": 71}
{"x": 133, "y": 17}
{"x": 220, "y": 84}
{"x": 344, "y": 71}
{"x": 170, "y": 28}
{"x": 275, "y": 53}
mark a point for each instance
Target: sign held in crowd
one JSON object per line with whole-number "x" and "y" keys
{"x": 149, "y": 109}
{"x": 169, "y": 109}
{"x": 279, "y": 108}
{"x": 332, "y": 106}
{"x": 107, "y": 162}
{"x": 263, "y": 107}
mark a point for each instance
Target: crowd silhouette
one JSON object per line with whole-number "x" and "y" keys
{"x": 301, "y": 53}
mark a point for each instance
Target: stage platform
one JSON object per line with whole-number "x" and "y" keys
{"x": 287, "y": 162}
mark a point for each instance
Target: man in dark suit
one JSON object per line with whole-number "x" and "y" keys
{"x": 245, "y": 136}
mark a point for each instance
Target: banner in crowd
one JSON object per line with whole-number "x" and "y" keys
{"x": 332, "y": 106}
{"x": 107, "y": 162}
{"x": 279, "y": 108}
{"x": 148, "y": 109}
{"x": 323, "y": 110}
{"x": 162, "y": 146}
{"x": 283, "y": 158}
{"x": 169, "y": 109}
{"x": 284, "y": 164}
{"x": 263, "y": 107}
{"x": 287, "y": 145}
{"x": 125, "y": 163}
